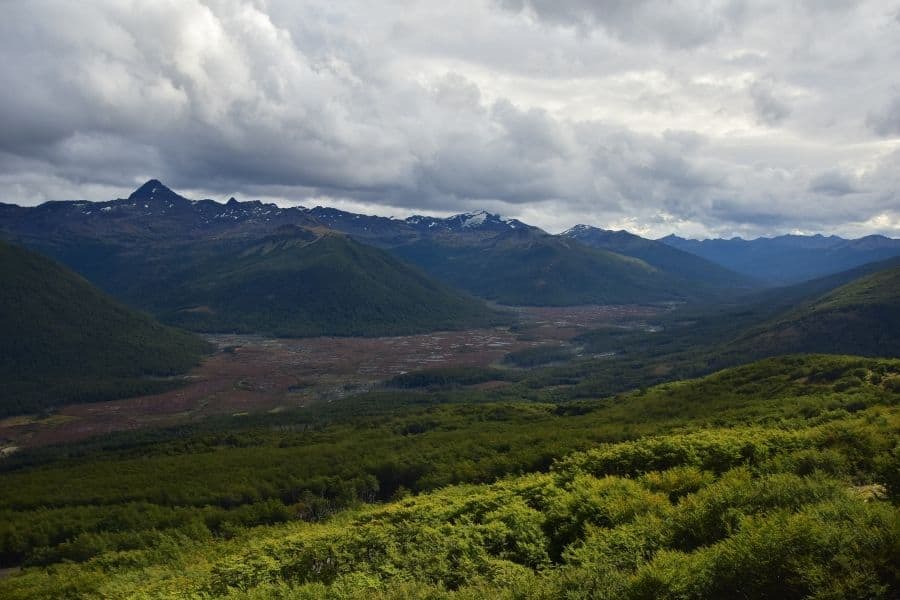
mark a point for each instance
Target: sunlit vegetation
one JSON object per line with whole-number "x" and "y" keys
{"x": 775, "y": 479}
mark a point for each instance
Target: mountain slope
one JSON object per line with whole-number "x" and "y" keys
{"x": 241, "y": 266}
{"x": 861, "y": 317}
{"x": 790, "y": 258}
{"x": 62, "y": 340}
{"x": 530, "y": 267}
{"x": 300, "y": 283}
{"x": 662, "y": 256}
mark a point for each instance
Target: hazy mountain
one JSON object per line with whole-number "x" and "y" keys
{"x": 662, "y": 256}
{"x": 790, "y": 258}
{"x": 63, "y": 340}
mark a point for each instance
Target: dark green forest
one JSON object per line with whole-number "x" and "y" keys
{"x": 298, "y": 284}
{"x": 64, "y": 341}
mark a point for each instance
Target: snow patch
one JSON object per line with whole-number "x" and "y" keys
{"x": 475, "y": 219}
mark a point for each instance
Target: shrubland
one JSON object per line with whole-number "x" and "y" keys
{"x": 774, "y": 479}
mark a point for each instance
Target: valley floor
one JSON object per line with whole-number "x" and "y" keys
{"x": 258, "y": 374}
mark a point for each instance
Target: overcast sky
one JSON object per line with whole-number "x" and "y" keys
{"x": 700, "y": 118}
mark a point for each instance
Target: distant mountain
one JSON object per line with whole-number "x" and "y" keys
{"x": 861, "y": 317}
{"x": 790, "y": 258}
{"x": 123, "y": 244}
{"x": 662, "y": 256}
{"x": 510, "y": 262}
{"x": 63, "y": 340}
{"x": 153, "y": 212}
{"x": 297, "y": 282}
{"x": 530, "y": 267}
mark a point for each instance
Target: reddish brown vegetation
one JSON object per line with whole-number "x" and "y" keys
{"x": 252, "y": 374}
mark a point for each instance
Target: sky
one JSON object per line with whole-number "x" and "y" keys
{"x": 705, "y": 119}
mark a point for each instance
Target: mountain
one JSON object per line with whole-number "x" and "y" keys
{"x": 508, "y": 261}
{"x": 123, "y": 244}
{"x": 530, "y": 267}
{"x": 299, "y": 282}
{"x": 861, "y": 317}
{"x": 241, "y": 266}
{"x": 790, "y": 258}
{"x": 63, "y": 340}
{"x": 662, "y": 256}
{"x": 152, "y": 212}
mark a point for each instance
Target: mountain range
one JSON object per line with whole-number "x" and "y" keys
{"x": 162, "y": 252}
{"x": 122, "y": 244}
{"x": 789, "y": 259}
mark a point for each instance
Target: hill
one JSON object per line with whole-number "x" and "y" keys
{"x": 62, "y": 340}
{"x": 530, "y": 267}
{"x": 861, "y": 317}
{"x": 297, "y": 282}
{"x": 667, "y": 258}
{"x": 790, "y": 258}
{"x": 240, "y": 266}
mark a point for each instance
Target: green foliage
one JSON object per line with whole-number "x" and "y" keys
{"x": 861, "y": 317}
{"x": 745, "y": 483}
{"x": 62, "y": 340}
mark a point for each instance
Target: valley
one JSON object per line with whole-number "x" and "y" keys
{"x": 256, "y": 374}
{"x": 244, "y": 401}
{"x": 485, "y": 300}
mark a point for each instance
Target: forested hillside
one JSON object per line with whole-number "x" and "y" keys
{"x": 62, "y": 340}
{"x": 299, "y": 283}
{"x": 533, "y": 268}
{"x": 861, "y": 317}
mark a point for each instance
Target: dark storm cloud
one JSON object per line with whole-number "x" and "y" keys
{"x": 703, "y": 118}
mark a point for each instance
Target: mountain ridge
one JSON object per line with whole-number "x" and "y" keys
{"x": 789, "y": 258}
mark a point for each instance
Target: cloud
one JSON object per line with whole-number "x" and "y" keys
{"x": 676, "y": 23}
{"x": 714, "y": 118}
{"x": 833, "y": 183}
{"x": 885, "y": 121}
{"x": 769, "y": 109}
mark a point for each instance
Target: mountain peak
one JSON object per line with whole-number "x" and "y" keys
{"x": 580, "y": 228}
{"x": 154, "y": 190}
